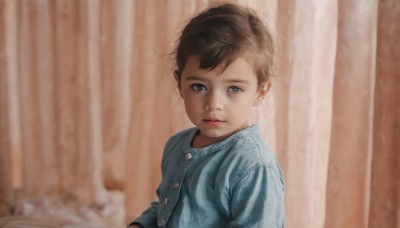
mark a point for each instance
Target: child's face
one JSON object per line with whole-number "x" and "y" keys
{"x": 219, "y": 102}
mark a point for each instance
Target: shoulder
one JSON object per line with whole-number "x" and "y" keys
{"x": 251, "y": 149}
{"x": 249, "y": 154}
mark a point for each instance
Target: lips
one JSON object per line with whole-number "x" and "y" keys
{"x": 213, "y": 121}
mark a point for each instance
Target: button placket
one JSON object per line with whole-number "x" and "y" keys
{"x": 173, "y": 194}
{"x": 176, "y": 184}
{"x": 188, "y": 156}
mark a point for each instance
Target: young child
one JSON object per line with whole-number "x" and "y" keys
{"x": 220, "y": 173}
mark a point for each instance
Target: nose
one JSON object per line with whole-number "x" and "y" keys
{"x": 214, "y": 101}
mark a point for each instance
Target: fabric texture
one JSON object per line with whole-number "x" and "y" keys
{"x": 236, "y": 182}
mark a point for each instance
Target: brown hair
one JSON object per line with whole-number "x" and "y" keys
{"x": 221, "y": 34}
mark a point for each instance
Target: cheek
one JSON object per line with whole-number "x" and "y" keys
{"x": 243, "y": 102}
{"x": 192, "y": 103}
{"x": 242, "y": 106}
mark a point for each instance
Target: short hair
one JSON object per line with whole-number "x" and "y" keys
{"x": 221, "y": 34}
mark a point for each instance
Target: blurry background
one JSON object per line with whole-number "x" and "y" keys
{"x": 87, "y": 101}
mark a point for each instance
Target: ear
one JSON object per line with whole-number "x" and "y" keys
{"x": 178, "y": 81}
{"x": 262, "y": 92}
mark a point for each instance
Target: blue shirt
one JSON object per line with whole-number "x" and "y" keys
{"x": 236, "y": 182}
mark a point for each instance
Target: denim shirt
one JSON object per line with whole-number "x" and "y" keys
{"x": 236, "y": 182}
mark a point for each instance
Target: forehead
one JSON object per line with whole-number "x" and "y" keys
{"x": 238, "y": 69}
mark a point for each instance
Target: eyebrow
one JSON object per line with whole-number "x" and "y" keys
{"x": 191, "y": 78}
{"x": 196, "y": 78}
{"x": 238, "y": 81}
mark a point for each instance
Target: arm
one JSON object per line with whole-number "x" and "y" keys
{"x": 258, "y": 199}
{"x": 148, "y": 217}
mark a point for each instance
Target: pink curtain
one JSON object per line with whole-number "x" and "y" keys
{"x": 88, "y": 100}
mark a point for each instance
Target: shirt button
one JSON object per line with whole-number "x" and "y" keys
{"x": 176, "y": 185}
{"x": 188, "y": 156}
{"x": 161, "y": 222}
{"x": 165, "y": 201}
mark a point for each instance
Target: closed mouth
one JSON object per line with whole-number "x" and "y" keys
{"x": 212, "y": 121}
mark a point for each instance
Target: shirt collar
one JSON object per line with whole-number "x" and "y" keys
{"x": 251, "y": 130}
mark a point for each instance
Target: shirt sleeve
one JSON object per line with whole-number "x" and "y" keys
{"x": 258, "y": 199}
{"x": 148, "y": 219}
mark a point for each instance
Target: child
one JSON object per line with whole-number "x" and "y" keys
{"x": 220, "y": 173}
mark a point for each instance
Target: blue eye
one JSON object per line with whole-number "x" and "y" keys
{"x": 234, "y": 89}
{"x": 198, "y": 87}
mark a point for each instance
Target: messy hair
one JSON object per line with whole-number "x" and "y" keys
{"x": 221, "y": 34}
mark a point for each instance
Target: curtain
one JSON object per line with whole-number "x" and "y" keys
{"x": 88, "y": 100}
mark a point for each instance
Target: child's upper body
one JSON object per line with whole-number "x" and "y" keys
{"x": 235, "y": 182}
{"x": 220, "y": 173}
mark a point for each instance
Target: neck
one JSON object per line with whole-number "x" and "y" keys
{"x": 200, "y": 140}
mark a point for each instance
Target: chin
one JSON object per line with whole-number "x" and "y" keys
{"x": 215, "y": 133}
